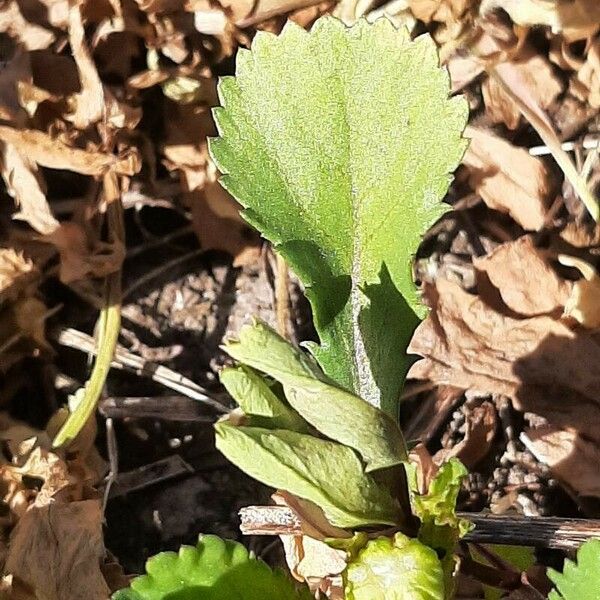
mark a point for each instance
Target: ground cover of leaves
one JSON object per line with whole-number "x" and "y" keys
{"x": 508, "y": 379}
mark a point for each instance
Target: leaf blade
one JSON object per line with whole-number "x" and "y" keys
{"x": 326, "y": 473}
{"x": 302, "y": 149}
{"x": 581, "y": 579}
{"x": 214, "y": 568}
{"x": 335, "y": 412}
{"x": 394, "y": 569}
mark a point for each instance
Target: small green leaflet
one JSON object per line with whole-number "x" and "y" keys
{"x": 581, "y": 580}
{"x": 333, "y": 411}
{"x": 339, "y": 143}
{"x": 398, "y": 569}
{"x": 326, "y": 473}
{"x": 440, "y": 527}
{"x": 257, "y": 400}
{"x": 437, "y": 508}
{"x": 214, "y": 569}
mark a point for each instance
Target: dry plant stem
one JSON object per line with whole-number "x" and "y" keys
{"x": 166, "y": 408}
{"x": 123, "y": 359}
{"x": 147, "y": 475}
{"x": 109, "y": 322}
{"x": 540, "y": 123}
{"x": 560, "y": 534}
{"x": 282, "y": 297}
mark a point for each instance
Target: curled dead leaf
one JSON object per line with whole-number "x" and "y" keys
{"x": 585, "y": 84}
{"x": 309, "y": 558}
{"x": 522, "y": 274}
{"x": 425, "y": 467}
{"x": 55, "y": 154}
{"x": 575, "y": 17}
{"x": 88, "y": 104}
{"x": 31, "y": 35}
{"x": 25, "y": 184}
{"x": 17, "y": 274}
{"x": 546, "y": 367}
{"x": 442, "y": 11}
{"x": 508, "y": 178}
{"x": 535, "y": 70}
{"x": 57, "y": 549}
{"x": 82, "y": 256}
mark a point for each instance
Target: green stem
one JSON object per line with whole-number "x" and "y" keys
{"x": 108, "y": 327}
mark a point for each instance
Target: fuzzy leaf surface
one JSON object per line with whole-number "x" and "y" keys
{"x": 339, "y": 143}
{"x": 580, "y": 580}
{"x": 324, "y": 472}
{"x": 214, "y": 569}
{"x": 395, "y": 569}
{"x": 335, "y": 412}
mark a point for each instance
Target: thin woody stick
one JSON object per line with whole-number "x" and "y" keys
{"x": 557, "y": 533}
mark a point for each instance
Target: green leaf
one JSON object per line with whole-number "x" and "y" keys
{"x": 335, "y": 412}
{"x": 326, "y": 473}
{"x": 437, "y": 508}
{"x": 398, "y": 569}
{"x": 257, "y": 399}
{"x": 581, "y": 580}
{"x": 339, "y": 144}
{"x": 214, "y": 569}
{"x": 440, "y": 527}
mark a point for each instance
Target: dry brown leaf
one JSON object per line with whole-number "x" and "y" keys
{"x": 584, "y": 302}
{"x": 82, "y": 256}
{"x": 536, "y": 72}
{"x": 31, "y": 96}
{"x": 572, "y": 459}
{"x": 525, "y": 280}
{"x": 508, "y": 178}
{"x": 574, "y": 17}
{"x": 439, "y": 10}
{"x": 215, "y": 214}
{"x": 308, "y": 557}
{"x": 148, "y": 78}
{"x": 16, "y": 71}
{"x": 30, "y": 35}
{"x": 431, "y": 413}
{"x": 57, "y": 550}
{"x": 517, "y": 88}
{"x": 88, "y": 104}
{"x": 22, "y": 331}
{"x": 218, "y": 225}
{"x": 185, "y": 146}
{"x": 25, "y": 184}
{"x": 585, "y": 84}
{"x": 581, "y": 235}
{"x": 17, "y": 273}
{"x": 55, "y": 154}
{"x": 425, "y": 467}
{"x": 160, "y": 6}
{"x": 546, "y": 368}
{"x": 248, "y": 12}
